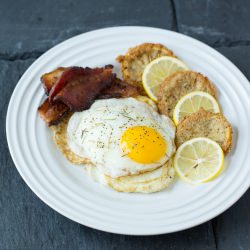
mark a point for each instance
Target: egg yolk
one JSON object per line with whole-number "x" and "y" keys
{"x": 143, "y": 144}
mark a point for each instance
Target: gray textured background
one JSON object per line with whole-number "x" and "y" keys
{"x": 27, "y": 29}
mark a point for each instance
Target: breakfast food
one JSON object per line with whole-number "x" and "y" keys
{"x": 128, "y": 123}
{"x": 137, "y": 58}
{"x": 61, "y": 140}
{"x": 156, "y": 71}
{"x": 205, "y": 124}
{"x": 76, "y": 88}
{"x": 127, "y": 141}
{"x": 148, "y": 182}
{"x": 122, "y": 137}
{"x": 192, "y": 103}
{"x": 52, "y": 113}
{"x": 60, "y": 136}
{"x": 199, "y": 160}
{"x": 49, "y": 79}
{"x": 179, "y": 84}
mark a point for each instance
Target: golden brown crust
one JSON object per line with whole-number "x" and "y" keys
{"x": 60, "y": 139}
{"x": 136, "y": 59}
{"x": 147, "y": 100}
{"x": 139, "y": 183}
{"x": 205, "y": 124}
{"x": 179, "y": 84}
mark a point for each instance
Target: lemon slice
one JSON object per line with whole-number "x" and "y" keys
{"x": 199, "y": 160}
{"x": 192, "y": 102}
{"x": 157, "y": 70}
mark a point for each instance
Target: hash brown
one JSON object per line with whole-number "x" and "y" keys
{"x": 205, "y": 124}
{"x": 179, "y": 84}
{"x": 136, "y": 59}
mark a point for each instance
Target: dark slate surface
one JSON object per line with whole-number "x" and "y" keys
{"x": 215, "y": 22}
{"x": 239, "y": 55}
{"x": 28, "y": 28}
{"x": 232, "y": 228}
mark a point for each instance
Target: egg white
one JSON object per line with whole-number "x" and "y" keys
{"x": 95, "y": 134}
{"x": 149, "y": 182}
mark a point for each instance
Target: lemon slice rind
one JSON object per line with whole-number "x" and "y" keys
{"x": 186, "y": 172}
{"x": 157, "y": 70}
{"x": 186, "y": 104}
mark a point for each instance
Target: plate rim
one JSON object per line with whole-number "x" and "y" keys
{"x": 11, "y": 149}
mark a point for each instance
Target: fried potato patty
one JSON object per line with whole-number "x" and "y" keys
{"x": 179, "y": 84}
{"x": 135, "y": 60}
{"x": 205, "y": 124}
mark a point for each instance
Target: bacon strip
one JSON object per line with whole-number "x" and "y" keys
{"x": 119, "y": 89}
{"x": 75, "y": 89}
{"x": 67, "y": 76}
{"x": 49, "y": 79}
{"x": 79, "y": 93}
{"x": 52, "y": 113}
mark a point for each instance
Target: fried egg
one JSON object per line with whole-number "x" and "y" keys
{"x": 121, "y": 137}
{"x": 149, "y": 182}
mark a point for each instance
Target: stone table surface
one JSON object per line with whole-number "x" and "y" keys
{"x": 29, "y": 28}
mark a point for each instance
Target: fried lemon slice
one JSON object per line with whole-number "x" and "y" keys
{"x": 192, "y": 102}
{"x": 137, "y": 58}
{"x": 177, "y": 85}
{"x": 199, "y": 160}
{"x": 156, "y": 71}
{"x": 205, "y": 124}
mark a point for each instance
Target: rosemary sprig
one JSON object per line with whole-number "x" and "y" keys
{"x": 127, "y": 116}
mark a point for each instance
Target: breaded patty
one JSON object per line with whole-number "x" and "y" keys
{"x": 179, "y": 84}
{"x": 135, "y": 60}
{"x": 205, "y": 124}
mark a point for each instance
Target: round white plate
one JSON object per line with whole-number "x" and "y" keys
{"x": 65, "y": 188}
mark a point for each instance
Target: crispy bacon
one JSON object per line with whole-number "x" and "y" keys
{"x": 119, "y": 89}
{"x": 79, "y": 93}
{"x": 49, "y": 79}
{"x": 67, "y": 76}
{"x": 52, "y": 113}
{"x": 75, "y": 89}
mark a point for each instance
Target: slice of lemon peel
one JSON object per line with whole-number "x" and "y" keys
{"x": 157, "y": 70}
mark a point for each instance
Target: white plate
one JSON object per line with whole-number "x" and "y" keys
{"x": 66, "y": 189}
